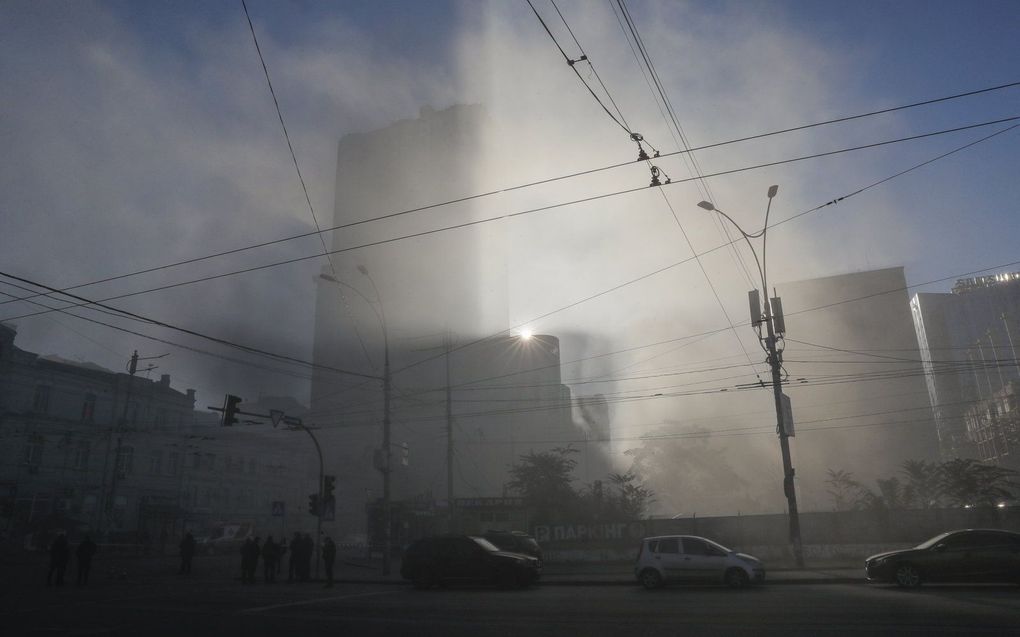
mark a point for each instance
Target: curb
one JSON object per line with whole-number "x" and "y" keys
{"x": 627, "y": 582}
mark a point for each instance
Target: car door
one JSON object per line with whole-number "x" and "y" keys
{"x": 703, "y": 561}
{"x": 457, "y": 556}
{"x": 666, "y": 553}
{"x": 952, "y": 559}
{"x": 994, "y": 556}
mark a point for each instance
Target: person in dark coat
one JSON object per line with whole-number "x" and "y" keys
{"x": 270, "y": 553}
{"x": 281, "y": 550}
{"x": 60, "y": 553}
{"x": 86, "y": 549}
{"x": 328, "y": 555}
{"x": 249, "y": 556}
{"x": 295, "y": 556}
{"x": 307, "y": 549}
{"x": 187, "y": 552}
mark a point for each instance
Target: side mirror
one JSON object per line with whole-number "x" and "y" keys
{"x": 939, "y": 548}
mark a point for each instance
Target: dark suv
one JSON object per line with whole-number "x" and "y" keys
{"x": 464, "y": 558}
{"x": 515, "y": 541}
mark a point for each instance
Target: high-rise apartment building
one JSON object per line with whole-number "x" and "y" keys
{"x": 425, "y": 303}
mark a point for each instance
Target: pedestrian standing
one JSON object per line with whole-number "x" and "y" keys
{"x": 246, "y": 559}
{"x": 295, "y": 556}
{"x": 307, "y": 548}
{"x": 328, "y": 555}
{"x": 281, "y": 550}
{"x": 187, "y": 552}
{"x": 60, "y": 553}
{"x": 86, "y": 549}
{"x": 269, "y": 556}
{"x": 253, "y": 566}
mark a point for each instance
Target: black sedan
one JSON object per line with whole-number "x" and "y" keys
{"x": 464, "y": 558}
{"x": 970, "y": 555}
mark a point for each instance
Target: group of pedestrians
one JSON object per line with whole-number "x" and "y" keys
{"x": 60, "y": 555}
{"x": 301, "y": 549}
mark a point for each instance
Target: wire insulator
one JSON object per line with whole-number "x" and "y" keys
{"x": 655, "y": 177}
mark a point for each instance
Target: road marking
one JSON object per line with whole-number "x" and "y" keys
{"x": 308, "y": 602}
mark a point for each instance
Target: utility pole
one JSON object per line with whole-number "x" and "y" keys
{"x": 449, "y": 439}
{"x": 1009, "y": 337}
{"x": 776, "y": 326}
{"x": 995, "y": 357}
{"x": 107, "y": 505}
{"x": 386, "y": 469}
{"x": 774, "y": 323}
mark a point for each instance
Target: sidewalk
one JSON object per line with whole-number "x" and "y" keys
{"x": 605, "y": 574}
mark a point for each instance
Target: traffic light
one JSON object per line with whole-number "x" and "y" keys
{"x": 328, "y": 487}
{"x": 313, "y": 504}
{"x": 230, "y": 410}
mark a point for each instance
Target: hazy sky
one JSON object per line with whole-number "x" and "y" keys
{"x": 140, "y": 134}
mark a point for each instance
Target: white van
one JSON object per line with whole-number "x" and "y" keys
{"x": 688, "y": 558}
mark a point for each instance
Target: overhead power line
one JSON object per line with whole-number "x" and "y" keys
{"x": 490, "y": 193}
{"x": 543, "y": 209}
{"x": 301, "y": 178}
{"x": 221, "y": 341}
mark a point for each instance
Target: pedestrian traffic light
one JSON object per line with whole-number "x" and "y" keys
{"x": 328, "y": 487}
{"x": 313, "y": 503}
{"x": 230, "y": 410}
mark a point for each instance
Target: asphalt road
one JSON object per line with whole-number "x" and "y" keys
{"x": 220, "y": 607}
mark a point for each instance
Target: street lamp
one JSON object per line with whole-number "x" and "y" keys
{"x": 380, "y": 314}
{"x": 386, "y": 468}
{"x": 773, "y": 320}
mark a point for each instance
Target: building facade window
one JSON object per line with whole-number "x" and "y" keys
{"x": 125, "y": 460}
{"x": 88, "y": 408}
{"x": 41, "y": 400}
{"x": 32, "y": 457}
{"x": 155, "y": 462}
{"x": 160, "y": 418}
{"x": 173, "y": 463}
{"x": 81, "y": 455}
{"x": 119, "y": 511}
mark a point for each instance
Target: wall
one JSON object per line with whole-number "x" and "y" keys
{"x": 828, "y": 537}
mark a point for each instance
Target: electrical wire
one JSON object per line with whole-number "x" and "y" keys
{"x": 540, "y": 209}
{"x": 529, "y": 185}
{"x": 304, "y": 187}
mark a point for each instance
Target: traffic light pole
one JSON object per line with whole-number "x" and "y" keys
{"x": 318, "y": 518}
{"x": 230, "y": 410}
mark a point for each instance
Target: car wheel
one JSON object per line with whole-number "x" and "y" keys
{"x": 507, "y": 579}
{"x": 907, "y": 576}
{"x": 650, "y": 578}
{"x": 423, "y": 580}
{"x": 736, "y": 578}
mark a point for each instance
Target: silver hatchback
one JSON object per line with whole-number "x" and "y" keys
{"x": 688, "y": 558}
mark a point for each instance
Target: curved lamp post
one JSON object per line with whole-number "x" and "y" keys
{"x": 773, "y": 320}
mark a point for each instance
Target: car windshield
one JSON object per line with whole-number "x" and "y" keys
{"x": 485, "y": 544}
{"x": 718, "y": 546}
{"x": 932, "y": 542}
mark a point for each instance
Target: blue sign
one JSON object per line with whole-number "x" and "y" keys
{"x": 278, "y": 508}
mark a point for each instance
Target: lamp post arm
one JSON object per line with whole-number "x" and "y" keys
{"x": 761, "y": 271}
